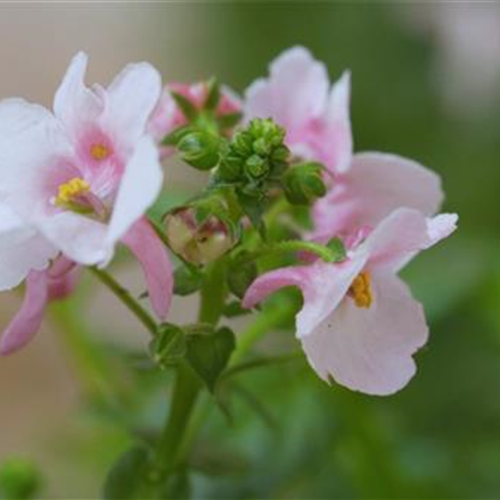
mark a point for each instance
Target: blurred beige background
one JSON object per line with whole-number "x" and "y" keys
{"x": 37, "y": 388}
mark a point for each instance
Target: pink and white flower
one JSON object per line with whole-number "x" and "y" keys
{"x": 83, "y": 176}
{"x": 359, "y": 323}
{"x": 365, "y": 187}
{"x": 167, "y": 116}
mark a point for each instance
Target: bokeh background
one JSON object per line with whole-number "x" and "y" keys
{"x": 426, "y": 84}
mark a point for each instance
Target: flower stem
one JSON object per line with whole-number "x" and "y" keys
{"x": 142, "y": 315}
{"x": 187, "y": 387}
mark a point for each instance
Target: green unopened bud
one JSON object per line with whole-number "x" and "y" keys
{"x": 304, "y": 183}
{"x": 19, "y": 479}
{"x": 200, "y": 149}
{"x": 256, "y": 166}
{"x": 255, "y": 153}
{"x": 198, "y": 243}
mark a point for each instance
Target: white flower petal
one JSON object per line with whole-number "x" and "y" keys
{"x": 22, "y": 249}
{"x": 370, "y": 350}
{"x": 31, "y": 143}
{"x": 74, "y": 103}
{"x": 131, "y": 98}
{"x": 139, "y": 188}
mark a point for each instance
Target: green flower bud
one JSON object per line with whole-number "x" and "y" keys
{"x": 19, "y": 478}
{"x": 197, "y": 242}
{"x": 255, "y": 153}
{"x": 304, "y": 183}
{"x": 200, "y": 149}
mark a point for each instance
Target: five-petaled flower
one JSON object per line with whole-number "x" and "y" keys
{"x": 80, "y": 179}
{"x": 359, "y": 323}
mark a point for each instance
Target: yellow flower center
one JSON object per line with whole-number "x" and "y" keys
{"x": 70, "y": 190}
{"x": 361, "y": 291}
{"x": 99, "y": 151}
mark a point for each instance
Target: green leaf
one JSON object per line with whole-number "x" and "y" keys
{"x": 209, "y": 353}
{"x": 213, "y": 96}
{"x": 186, "y": 106}
{"x": 125, "y": 480}
{"x": 187, "y": 281}
{"x": 169, "y": 346}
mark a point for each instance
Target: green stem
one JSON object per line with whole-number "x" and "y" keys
{"x": 322, "y": 251}
{"x": 170, "y": 448}
{"x": 186, "y": 389}
{"x": 142, "y": 315}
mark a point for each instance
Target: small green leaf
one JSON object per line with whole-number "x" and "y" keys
{"x": 169, "y": 346}
{"x": 209, "y": 353}
{"x": 125, "y": 480}
{"x": 186, "y": 281}
{"x": 186, "y": 106}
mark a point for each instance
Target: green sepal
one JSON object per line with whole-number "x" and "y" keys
{"x": 174, "y": 137}
{"x": 213, "y": 96}
{"x": 186, "y": 106}
{"x": 337, "y": 246}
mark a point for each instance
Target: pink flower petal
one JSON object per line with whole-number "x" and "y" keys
{"x": 29, "y": 318}
{"x": 131, "y": 98}
{"x": 404, "y": 233}
{"x": 74, "y": 103}
{"x": 153, "y": 257}
{"x": 370, "y": 350}
{"x": 323, "y": 287}
{"x": 375, "y": 185}
{"x": 295, "y": 92}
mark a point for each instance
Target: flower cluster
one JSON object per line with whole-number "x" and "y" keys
{"x": 78, "y": 180}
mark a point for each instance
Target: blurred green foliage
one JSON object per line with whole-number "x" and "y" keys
{"x": 291, "y": 435}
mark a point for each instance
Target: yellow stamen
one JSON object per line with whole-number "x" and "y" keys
{"x": 99, "y": 151}
{"x": 70, "y": 190}
{"x": 361, "y": 290}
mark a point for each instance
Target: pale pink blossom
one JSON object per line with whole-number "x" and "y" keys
{"x": 167, "y": 116}
{"x": 83, "y": 176}
{"x": 364, "y": 187}
{"x": 359, "y": 323}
